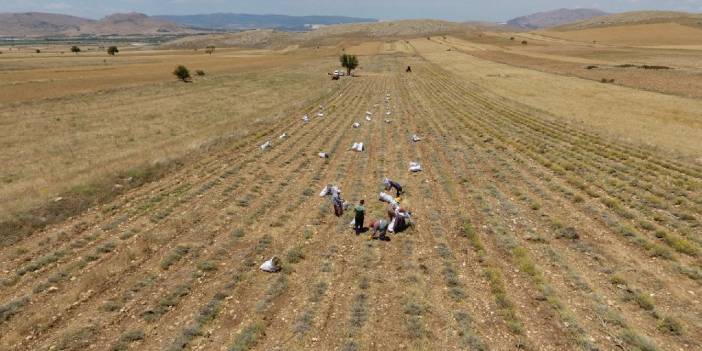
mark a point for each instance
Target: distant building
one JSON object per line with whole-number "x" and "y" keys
{"x": 315, "y": 26}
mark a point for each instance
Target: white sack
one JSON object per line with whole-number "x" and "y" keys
{"x": 323, "y": 155}
{"x": 283, "y": 136}
{"x": 329, "y": 190}
{"x": 324, "y": 192}
{"x": 266, "y": 145}
{"x": 270, "y": 265}
{"x": 415, "y": 167}
{"x": 391, "y": 227}
{"x": 415, "y": 138}
{"x": 357, "y": 147}
{"x": 387, "y": 198}
{"x": 368, "y": 118}
{"x": 357, "y": 125}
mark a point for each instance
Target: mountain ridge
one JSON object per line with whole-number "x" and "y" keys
{"x": 38, "y": 24}
{"x": 554, "y": 18}
{"x": 42, "y": 24}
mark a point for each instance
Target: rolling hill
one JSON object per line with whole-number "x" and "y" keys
{"x": 638, "y": 18}
{"x": 235, "y": 21}
{"x": 133, "y": 23}
{"x": 36, "y": 24}
{"x": 325, "y": 35}
{"x": 554, "y": 18}
{"x": 642, "y": 28}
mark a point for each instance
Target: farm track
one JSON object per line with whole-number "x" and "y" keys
{"x": 529, "y": 234}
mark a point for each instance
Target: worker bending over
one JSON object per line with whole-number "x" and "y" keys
{"x": 338, "y": 203}
{"x": 379, "y": 229}
{"x": 399, "y": 218}
{"x": 390, "y": 184}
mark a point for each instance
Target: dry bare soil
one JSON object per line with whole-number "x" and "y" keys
{"x": 536, "y": 227}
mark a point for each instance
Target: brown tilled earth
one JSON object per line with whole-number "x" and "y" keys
{"x": 531, "y": 231}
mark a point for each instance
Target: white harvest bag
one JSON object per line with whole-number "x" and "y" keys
{"x": 415, "y": 167}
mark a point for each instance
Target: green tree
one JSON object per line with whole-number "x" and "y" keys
{"x": 210, "y": 49}
{"x": 112, "y": 50}
{"x": 182, "y": 73}
{"x": 75, "y": 49}
{"x": 350, "y": 62}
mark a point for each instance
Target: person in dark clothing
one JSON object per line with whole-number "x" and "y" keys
{"x": 390, "y": 184}
{"x": 338, "y": 204}
{"x": 360, "y": 217}
{"x": 409, "y": 69}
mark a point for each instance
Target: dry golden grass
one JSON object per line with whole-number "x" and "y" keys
{"x": 639, "y": 34}
{"x": 593, "y": 62}
{"x": 70, "y": 120}
{"x": 637, "y": 17}
{"x": 27, "y": 76}
{"x": 357, "y": 33}
{"x": 670, "y": 122}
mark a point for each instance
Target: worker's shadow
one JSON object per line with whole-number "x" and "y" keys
{"x": 363, "y": 231}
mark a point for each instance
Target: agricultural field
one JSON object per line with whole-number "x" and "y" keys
{"x": 68, "y": 122}
{"x": 539, "y": 223}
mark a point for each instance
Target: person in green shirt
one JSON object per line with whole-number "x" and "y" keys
{"x": 360, "y": 216}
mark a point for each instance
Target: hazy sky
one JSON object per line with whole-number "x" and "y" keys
{"x": 493, "y": 10}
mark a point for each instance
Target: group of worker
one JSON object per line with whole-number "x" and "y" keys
{"x": 398, "y": 218}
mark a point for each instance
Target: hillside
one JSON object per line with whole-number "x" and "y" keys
{"x": 133, "y": 23}
{"x": 637, "y": 18}
{"x": 393, "y": 29}
{"x": 325, "y": 35}
{"x": 649, "y": 34}
{"x": 647, "y": 28}
{"x": 35, "y": 24}
{"x": 554, "y": 18}
{"x": 235, "y": 21}
{"x": 263, "y": 38}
